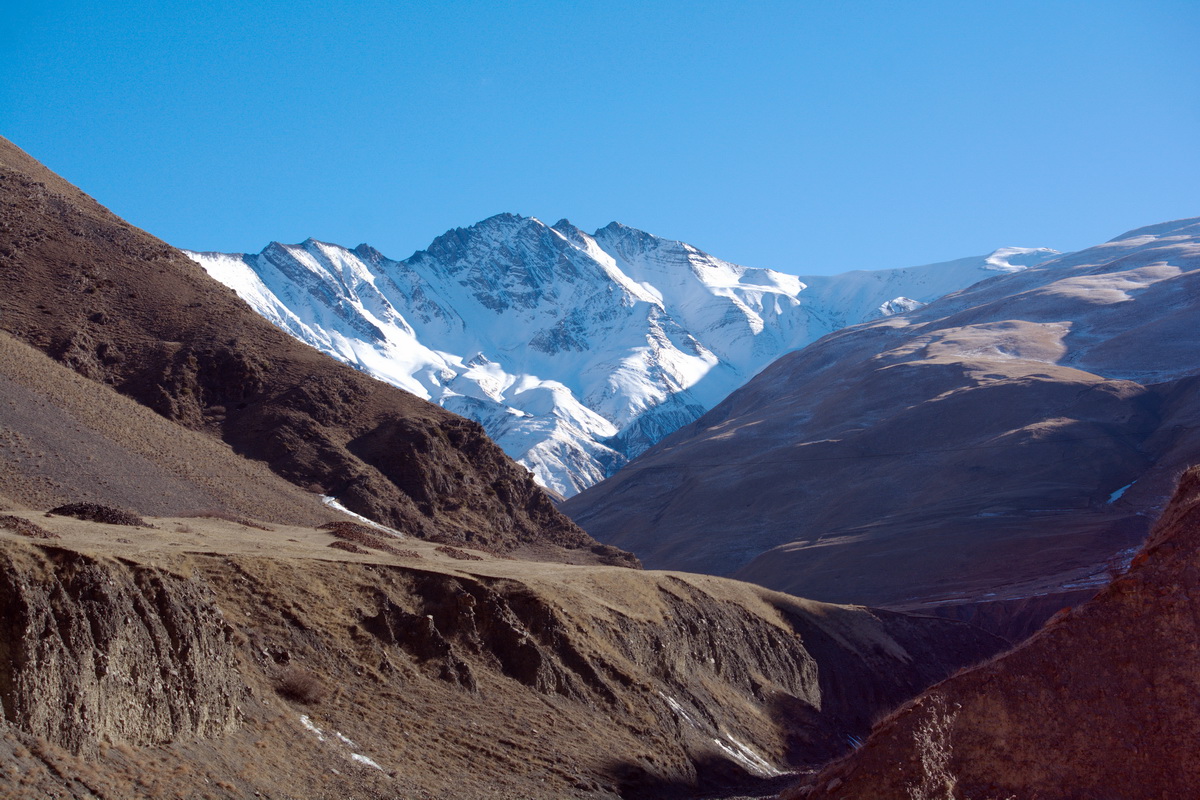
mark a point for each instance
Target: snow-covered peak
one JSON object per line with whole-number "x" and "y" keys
{"x": 576, "y": 351}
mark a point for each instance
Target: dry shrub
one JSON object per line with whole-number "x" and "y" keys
{"x": 94, "y": 512}
{"x": 301, "y": 685}
{"x": 361, "y": 534}
{"x": 25, "y": 528}
{"x": 461, "y": 555}
{"x": 349, "y": 547}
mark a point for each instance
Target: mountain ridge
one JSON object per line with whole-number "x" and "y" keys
{"x": 236, "y": 636}
{"x": 1002, "y": 420}
{"x": 576, "y": 351}
{"x": 122, "y": 308}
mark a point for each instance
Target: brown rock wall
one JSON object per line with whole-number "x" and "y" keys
{"x": 94, "y": 651}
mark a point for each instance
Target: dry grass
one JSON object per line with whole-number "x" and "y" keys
{"x": 228, "y": 517}
{"x": 461, "y": 555}
{"x": 301, "y": 685}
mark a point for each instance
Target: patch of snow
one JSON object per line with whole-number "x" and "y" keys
{"x": 1015, "y": 259}
{"x": 744, "y": 755}
{"x": 1115, "y": 496}
{"x": 897, "y": 305}
{"x": 735, "y": 749}
{"x": 361, "y": 759}
{"x": 307, "y": 723}
{"x": 678, "y": 709}
{"x": 336, "y": 506}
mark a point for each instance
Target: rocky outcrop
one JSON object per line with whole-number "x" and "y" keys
{"x": 94, "y": 650}
{"x": 1100, "y": 703}
{"x": 249, "y": 673}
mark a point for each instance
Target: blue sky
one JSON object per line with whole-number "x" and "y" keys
{"x": 805, "y": 136}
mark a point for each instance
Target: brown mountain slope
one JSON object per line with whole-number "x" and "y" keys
{"x": 65, "y": 439}
{"x": 1000, "y": 443}
{"x": 201, "y": 660}
{"x": 123, "y": 308}
{"x": 1101, "y": 703}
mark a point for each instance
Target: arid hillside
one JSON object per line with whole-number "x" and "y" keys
{"x": 65, "y": 438}
{"x": 204, "y": 658}
{"x": 126, "y": 310}
{"x": 1101, "y": 703}
{"x": 1004, "y": 442}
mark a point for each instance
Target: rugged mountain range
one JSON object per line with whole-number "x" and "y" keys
{"x": 1008, "y": 440}
{"x": 226, "y": 634}
{"x": 126, "y": 310}
{"x": 576, "y": 352}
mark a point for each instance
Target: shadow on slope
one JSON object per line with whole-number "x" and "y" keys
{"x": 1100, "y": 703}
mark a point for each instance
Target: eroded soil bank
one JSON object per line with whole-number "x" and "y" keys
{"x": 206, "y": 658}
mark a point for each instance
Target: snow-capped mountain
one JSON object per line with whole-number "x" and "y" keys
{"x": 576, "y": 352}
{"x": 1007, "y": 441}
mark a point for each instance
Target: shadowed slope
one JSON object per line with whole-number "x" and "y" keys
{"x": 1003, "y": 442}
{"x": 123, "y": 308}
{"x": 64, "y": 438}
{"x": 1101, "y": 703}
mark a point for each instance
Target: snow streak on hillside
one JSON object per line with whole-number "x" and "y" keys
{"x": 576, "y": 352}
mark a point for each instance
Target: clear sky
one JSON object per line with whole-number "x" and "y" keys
{"x": 805, "y": 136}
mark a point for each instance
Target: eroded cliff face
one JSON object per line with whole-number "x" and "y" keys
{"x": 104, "y": 651}
{"x": 193, "y": 655}
{"x": 1101, "y": 703}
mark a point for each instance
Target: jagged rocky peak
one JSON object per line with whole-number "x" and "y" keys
{"x": 625, "y": 242}
{"x": 495, "y": 229}
{"x": 572, "y": 234}
{"x": 370, "y": 254}
{"x": 509, "y": 260}
{"x": 597, "y": 345}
